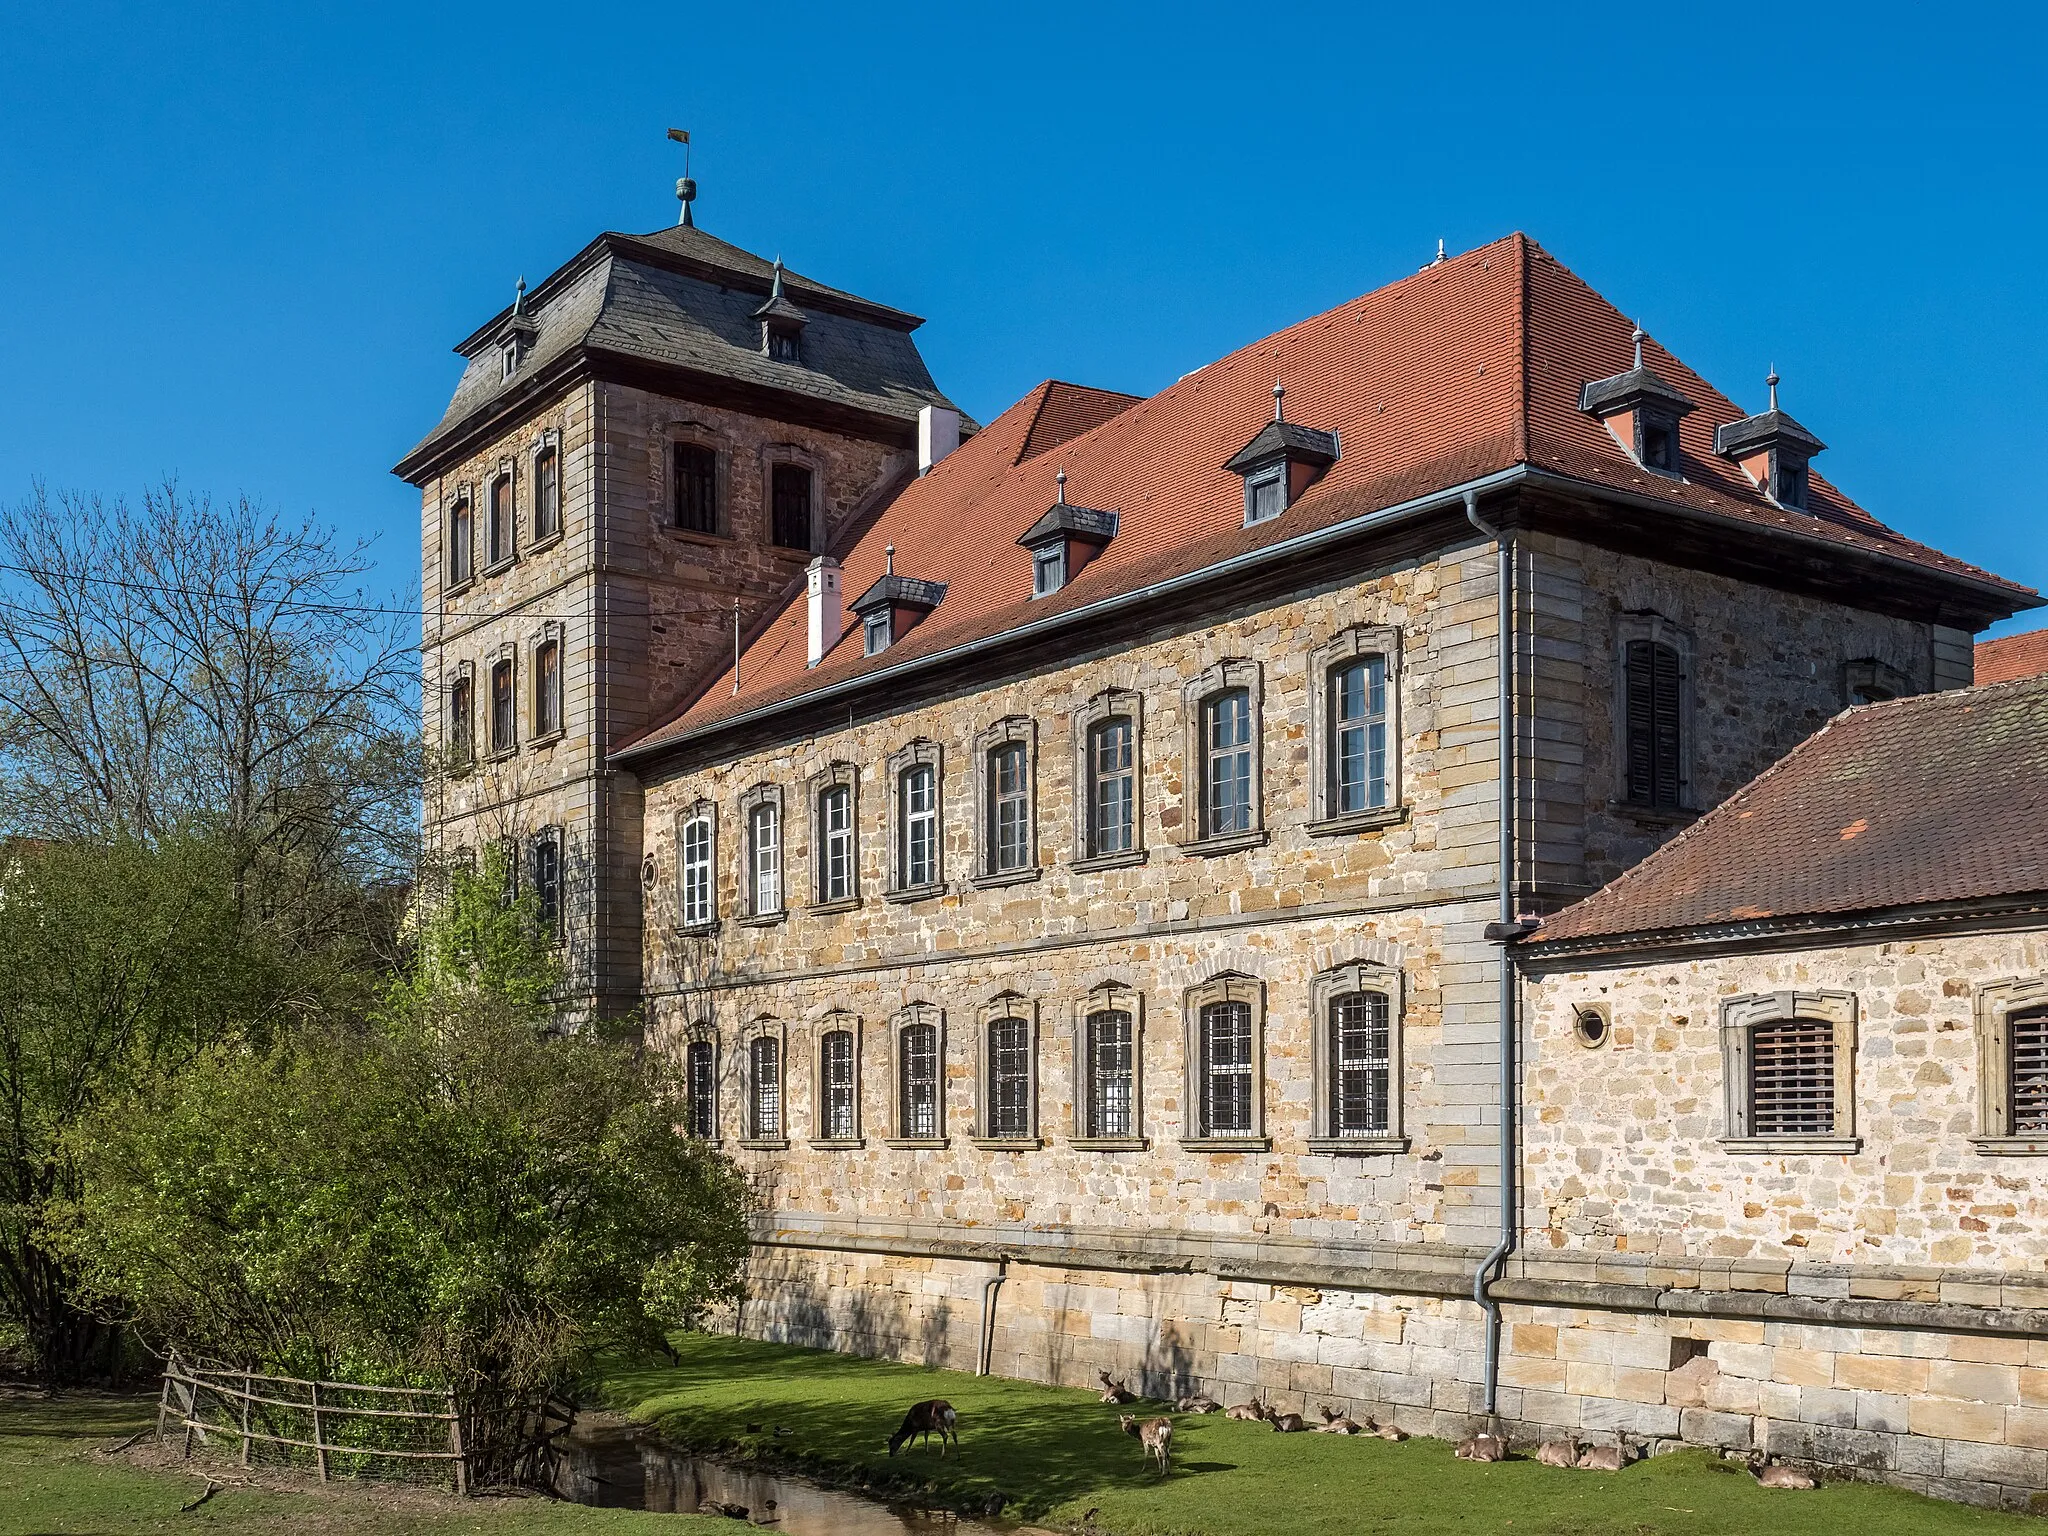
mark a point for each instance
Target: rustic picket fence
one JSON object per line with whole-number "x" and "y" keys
{"x": 350, "y": 1429}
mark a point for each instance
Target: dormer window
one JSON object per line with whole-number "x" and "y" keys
{"x": 1048, "y": 570}
{"x": 1773, "y": 451}
{"x": 1064, "y": 540}
{"x": 874, "y": 632}
{"x": 508, "y": 358}
{"x": 893, "y": 606}
{"x": 782, "y": 324}
{"x": 1642, "y": 412}
{"x": 516, "y": 337}
{"x": 785, "y": 345}
{"x": 1788, "y": 486}
{"x": 1280, "y": 463}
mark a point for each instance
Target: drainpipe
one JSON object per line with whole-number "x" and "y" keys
{"x": 989, "y": 1288}
{"x": 1503, "y": 932}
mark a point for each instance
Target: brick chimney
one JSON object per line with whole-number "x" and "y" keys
{"x": 827, "y": 613}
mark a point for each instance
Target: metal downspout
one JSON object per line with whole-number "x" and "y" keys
{"x": 1504, "y": 931}
{"x": 989, "y": 1288}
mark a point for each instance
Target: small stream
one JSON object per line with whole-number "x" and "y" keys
{"x": 617, "y": 1464}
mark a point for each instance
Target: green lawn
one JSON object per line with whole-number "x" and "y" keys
{"x": 54, "y": 1480}
{"x": 1057, "y": 1454}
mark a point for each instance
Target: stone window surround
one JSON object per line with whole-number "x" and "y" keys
{"x": 1654, "y": 627}
{"x": 1325, "y": 989}
{"x": 1224, "y": 987}
{"x": 1996, "y": 1001}
{"x": 548, "y": 440}
{"x": 754, "y": 914}
{"x": 701, "y": 810}
{"x": 1012, "y": 729}
{"x": 1195, "y": 696}
{"x": 1868, "y": 671}
{"x": 1109, "y": 704}
{"x": 771, "y": 455}
{"x": 550, "y": 631}
{"x": 835, "y": 1021}
{"x": 774, "y": 1029}
{"x": 1739, "y": 1018}
{"x": 830, "y": 777}
{"x": 1353, "y": 643}
{"x": 912, "y": 1014}
{"x": 505, "y": 471}
{"x": 1005, "y": 1005}
{"x": 686, "y": 430}
{"x": 704, "y": 1032}
{"x": 923, "y": 750}
{"x": 1107, "y": 997}
{"x": 506, "y": 653}
{"x": 552, "y": 833}
{"x": 463, "y": 499}
{"x": 465, "y": 672}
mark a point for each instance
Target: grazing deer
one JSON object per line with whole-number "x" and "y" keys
{"x": 1335, "y": 1423}
{"x": 935, "y": 1417}
{"x": 1115, "y": 1391}
{"x": 1775, "y": 1474}
{"x": 1156, "y": 1435}
{"x": 1285, "y": 1423}
{"x": 1605, "y": 1458}
{"x": 1198, "y": 1403}
{"x": 1248, "y": 1411}
{"x": 1558, "y": 1453}
{"x": 1483, "y": 1447}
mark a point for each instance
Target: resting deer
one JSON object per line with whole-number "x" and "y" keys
{"x": 1605, "y": 1458}
{"x": 1388, "y": 1431}
{"x": 1483, "y": 1447}
{"x": 1775, "y": 1474}
{"x": 1285, "y": 1423}
{"x": 1558, "y": 1453}
{"x": 1198, "y": 1403}
{"x": 1115, "y": 1391}
{"x": 1335, "y": 1423}
{"x": 1248, "y": 1411}
{"x": 935, "y": 1417}
{"x": 1156, "y": 1435}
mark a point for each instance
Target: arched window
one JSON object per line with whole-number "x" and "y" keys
{"x": 764, "y": 1087}
{"x": 1108, "y": 1063}
{"x": 547, "y": 494}
{"x": 1226, "y": 1079}
{"x": 1008, "y": 841}
{"x": 1356, "y": 1016}
{"x": 918, "y": 1060}
{"x": 700, "y": 1059}
{"x": 836, "y": 863}
{"x": 918, "y": 858}
{"x": 461, "y": 721}
{"x": 762, "y": 808}
{"x": 838, "y": 1087}
{"x": 1009, "y": 1071}
{"x": 547, "y": 689}
{"x": 1358, "y": 736}
{"x": 1108, "y": 769}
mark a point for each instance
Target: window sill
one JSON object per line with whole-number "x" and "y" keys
{"x": 500, "y": 567}
{"x": 759, "y": 1144}
{"x": 1110, "y": 1143}
{"x": 789, "y": 552}
{"x": 549, "y": 541}
{"x": 838, "y": 1144}
{"x": 1358, "y": 821}
{"x": 827, "y": 908}
{"x": 763, "y": 919}
{"x": 1125, "y": 860}
{"x": 1229, "y": 842}
{"x": 503, "y": 754}
{"x": 2010, "y": 1146}
{"x": 1007, "y": 877}
{"x": 696, "y": 535}
{"x": 1653, "y": 815}
{"x": 1007, "y": 1143}
{"x": 916, "y": 893}
{"x": 1358, "y": 1146}
{"x": 548, "y": 740}
{"x": 696, "y": 930}
{"x": 917, "y": 1143}
{"x": 458, "y": 588}
{"x": 1226, "y": 1143}
{"x": 1786, "y": 1145}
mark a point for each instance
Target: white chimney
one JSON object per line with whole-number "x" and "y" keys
{"x": 828, "y": 614}
{"x": 938, "y": 434}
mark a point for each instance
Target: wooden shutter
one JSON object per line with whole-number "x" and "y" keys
{"x": 1792, "y": 1078}
{"x": 1664, "y": 668}
{"x": 1650, "y": 706}
{"x": 2028, "y": 1033}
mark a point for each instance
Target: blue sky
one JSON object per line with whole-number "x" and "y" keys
{"x": 240, "y": 241}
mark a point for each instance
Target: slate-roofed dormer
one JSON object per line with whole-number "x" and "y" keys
{"x": 1281, "y": 462}
{"x": 782, "y": 323}
{"x": 1642, "y": 412}
{"x": 1063, "y": 540}
{"x": 1773, "y": 450}
{"x": 893, "y": 606}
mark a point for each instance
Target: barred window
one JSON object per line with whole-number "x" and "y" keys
{"x": 835, "y": 1070}
{"x": 1109, "y": 1081}
{"x": 836, "y": 843}
{"x": 1792, "y": 1078}
{"x": 1653, "y": 721}
{"x": 1358, "y": 736}
{"x": 1226, "y": 1069}
{"x": 1227, "y": 763}
{"x": 547, "y": 494}
{"x": 764, "y": 1074}
{"x": 1360, "y": 1064}
{"x": 701, "y": 1079}
{"x": 1112, "y": 798}
{"x": 790, "y": 495}
{"x": 1009, "y": 1077}
{"x": 2028, "y": 1033}
{"x": 697, "y": 900}
{"x": 918, "y": 1051}
{"x": 1009, "y": 798}
{"x": 694, "y": 488}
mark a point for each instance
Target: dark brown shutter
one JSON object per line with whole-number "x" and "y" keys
{"x": 1792, "y": 1078}
{"x": 2029, "y": 1037}
{"x": 1650, "y": 699}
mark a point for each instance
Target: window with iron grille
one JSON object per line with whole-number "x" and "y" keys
{"x": 1112, "y": 784}
{"x": 500, "y": 527}
{"x": 1109, "y": 1075}
{"x": 1009, "y": 801}
{"x": 790, "y": 496}
{"x": 2027, "y": 1034}
{"x": 698, "y": 908}
{"x": 702, "y": 1079}
{"x": 917, "y": 1048}
{"x": 547, "y": 689}
{"x": 1361, "y": 1061}
{"x": 504, "y": 725}
{"x": 1792, "y": 1078}
{"x": 547, "y": 494}
{"x": 835, "y": 1068}
{"x": 836, "y": 843}
{"x": 1226, "y": 1039}
{"x": 1358, "y": 736}
{"x": 1009, "y": 1077}
{"x": 1652, "y": 702}
{"x": 1227, "y": 763}
{"x": 695, "y": 488}
{"x": 764, "y": 1078}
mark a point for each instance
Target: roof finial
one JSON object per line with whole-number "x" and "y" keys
{"x": 1638, "y": 340}
{"x": 1772, "y": 380}
{"x": 889, "y": 554}
{"x": 1279, "y": 394}
{"x": 1440, "y": 257}
{"x": 519, "y": 297}
{"x": 1062, "y": 478}
{"x": 686, "y": 189}
{"x": 776, "y": 291}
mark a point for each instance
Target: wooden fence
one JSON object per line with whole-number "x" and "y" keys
{"x": 350, "y": 1429}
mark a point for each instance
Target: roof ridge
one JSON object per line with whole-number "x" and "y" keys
{"x": 1043, "y": 389}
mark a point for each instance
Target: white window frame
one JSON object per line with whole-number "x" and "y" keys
{"x": 836, "y": 778}
{"x": 1996, "y": 1002}
{"x": 697, "y": 873}
{"x": 922, "y": 753}
{"x": 1740, "y": 1018}
{"x": 1108, "y": 997}
{"x": 1352, "y": 646}
{"x": 1048, "y": 568}
{"x": 1110, "y": 704}
{"x": 1229, "y": 989}
{"x": 1018, "y": 733}
{"x": 1358, "y": 976}
{"x": 916, "y": 1015}
{"x": 877, "y": 631}
{"x": 766, "y": 874}
{"x": 833, "y": 1023}
{"x": 1005, "y": 1006}
{"x": 1200, "y": 693}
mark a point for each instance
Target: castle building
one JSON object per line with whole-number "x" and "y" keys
{"x": 1086, "y": 898}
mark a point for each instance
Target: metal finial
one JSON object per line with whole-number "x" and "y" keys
{"x": 1440, "y": 257}
{"x": 776, "y": 291}
{"x": 889, "y": 554}
{"x": 1772, "y": 380}
{"x": 1638, "y": 339}
{"x": 519, "y": 298}
{"x": 1279, "y": 394}
{"x": 686, "y": 189}
{"x": 1062, "y": 478}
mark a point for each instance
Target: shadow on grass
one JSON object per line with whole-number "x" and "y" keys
{"x": 83, "y": 1416}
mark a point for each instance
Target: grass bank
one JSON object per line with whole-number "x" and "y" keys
{"x": 1057, "y": 1454}
{"x": 55, "y": 1480}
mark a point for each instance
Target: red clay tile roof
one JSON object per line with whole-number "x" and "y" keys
{"x": 2013, "y": 656}
{"x": 1938, "y": 798}
{"x": 1472, "y": 366}
{"x": 1065, "y": 411}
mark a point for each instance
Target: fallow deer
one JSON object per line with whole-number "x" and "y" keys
{"x": 1253, "y": 1410}
{"x": 1483, "y": 1447}
{"x": 1115, "y": 1391}
{"x": 1558, "y": 1453}
{"x": 933, "y": 1417}
{"x": 1197, "y": 1403}
{"x": 1156, "y": 1435}
{"x": 1775, "y": 1474}
{"x": 1605, "y": 1458}
{"x": 1335, "y": 1423}
{"x": 1285, "y": 1423}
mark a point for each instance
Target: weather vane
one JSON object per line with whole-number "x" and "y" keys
{"x": 686, "y": 189}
